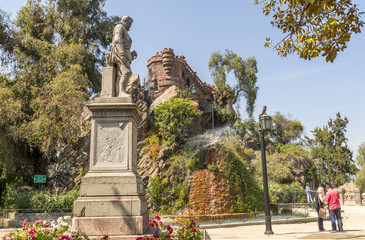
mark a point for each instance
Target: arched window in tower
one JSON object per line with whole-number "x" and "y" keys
{"x": 188, "y": 82}
{"x": 183, "y": 75}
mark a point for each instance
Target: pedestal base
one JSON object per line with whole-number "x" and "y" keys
{"x": 112, "y": 226}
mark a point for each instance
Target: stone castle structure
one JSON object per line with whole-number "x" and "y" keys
{"x": 166, "y": 69}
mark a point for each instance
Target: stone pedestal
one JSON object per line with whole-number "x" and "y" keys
{"x": 112, "y": 199}
{"x": 358, "y": 196}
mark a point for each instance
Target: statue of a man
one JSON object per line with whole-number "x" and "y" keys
{"x": 121, "y": 55}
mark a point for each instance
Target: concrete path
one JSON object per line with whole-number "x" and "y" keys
{"x": 353, "y": 218}
{"x": 353, "y": 224}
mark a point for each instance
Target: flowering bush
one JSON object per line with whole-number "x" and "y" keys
{"x": 42, "y": 230}
{"x": 152, "y": 141}
{"x": 183, "y": 230}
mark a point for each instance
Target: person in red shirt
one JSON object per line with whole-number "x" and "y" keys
{"x": 332, "y": 198}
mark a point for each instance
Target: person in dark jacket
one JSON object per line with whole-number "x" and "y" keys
{"x": 319, "y": 199}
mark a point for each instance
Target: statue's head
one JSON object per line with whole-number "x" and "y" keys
{"x": 127, "y": 22}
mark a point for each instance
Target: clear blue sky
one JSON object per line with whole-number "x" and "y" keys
{"x": 309, "y": 91}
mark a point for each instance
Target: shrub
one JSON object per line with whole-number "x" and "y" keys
{"x": 173, "y": 116}
{"x": 152, "y": 143}
{"x": 183, "y": 230}
{"x": 285, "y": 193}
{"x": 43, "y": 201}
{"x": 155, "y": 191}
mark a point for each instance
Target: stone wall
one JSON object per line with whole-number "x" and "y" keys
{"x": 353, "y": 198}
{"x": 209, "y": 193}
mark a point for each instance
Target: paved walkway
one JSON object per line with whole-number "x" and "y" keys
{"x": 353, "y": 218}
{"x": 353, "y": 224}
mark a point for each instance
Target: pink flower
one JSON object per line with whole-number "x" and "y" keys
{"x": 105, "y": 236}
{"x": 64, "y": 237}
{"x": 32, "y": 231}
{"x": 168, "y": 236}
{"x": 193, "y": 230}
{"x": 158, "y": 217}
{"x": 25, "y": 224}
{"x": 47, "y": 224}
{"x": 156, "y": 236}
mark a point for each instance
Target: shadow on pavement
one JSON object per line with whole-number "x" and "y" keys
{"x": 347, "y": 234}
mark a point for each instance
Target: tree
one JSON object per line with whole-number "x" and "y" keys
{"x": 360, "y": 158}
{"x": 329, "y": 148}
{"x": 52, "y": 51}
{"x": 244, "y": 71}
{"x": 313, "y": 28}
{"x": 285, "y": 131}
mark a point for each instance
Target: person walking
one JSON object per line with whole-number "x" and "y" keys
{"x": 319, "y": 200}
{"x": 308, "y": 192}
{"x": 334, "y": 207}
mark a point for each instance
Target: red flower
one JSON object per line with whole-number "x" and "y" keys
{"x": 193, "y": 230}
{"x": 32, "y": 231}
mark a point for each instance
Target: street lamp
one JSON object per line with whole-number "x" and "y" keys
{"x": 265, "y": 125}
{"x": 191, "y": 89}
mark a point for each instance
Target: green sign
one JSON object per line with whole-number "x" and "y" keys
{"x": 40, "y": 178}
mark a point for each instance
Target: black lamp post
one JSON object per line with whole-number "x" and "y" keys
{"x": 191, "y": 89}
{"x": 265, "y": 125}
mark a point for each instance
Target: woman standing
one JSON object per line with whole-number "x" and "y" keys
{"x": 320, "y": 204}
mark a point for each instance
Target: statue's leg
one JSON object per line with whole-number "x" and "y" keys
{"x": 117, "y": 80}
{"x": 126, "y": 73}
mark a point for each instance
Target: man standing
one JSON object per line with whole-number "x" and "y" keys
{"x": 332, "y": 198}
{"x": 308, "y": 192}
